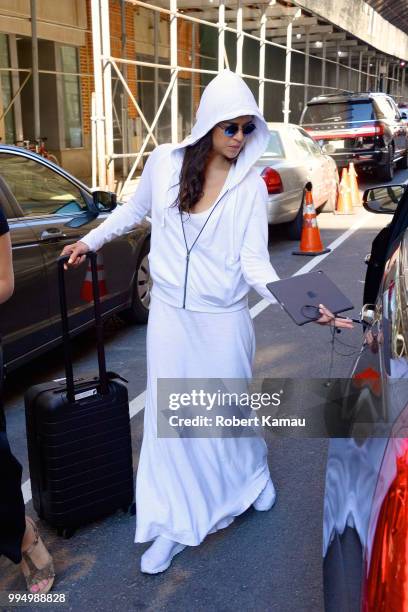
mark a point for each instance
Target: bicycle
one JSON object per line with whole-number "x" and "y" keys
{"x": 38, "y": 146}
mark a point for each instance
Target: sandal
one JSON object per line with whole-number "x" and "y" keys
{"x": 34, "y": 575}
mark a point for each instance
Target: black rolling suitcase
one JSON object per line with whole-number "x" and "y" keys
{"x": 78, "y": 433}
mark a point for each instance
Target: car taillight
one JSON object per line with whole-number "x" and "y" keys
{"x": 272, "y": 180}
{"x": 372, "y": 130}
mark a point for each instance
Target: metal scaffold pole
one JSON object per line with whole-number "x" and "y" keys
{"x": 262, "y": 50}
{"x": 368, "y": 73}
{"x": 286, "y": 104}
{"x": 323, "y": 63}
{"x": 360, "y": 68}
{"x": 93, "y": 142}
{"x": 174, "y": 69}
{"x": 349, "y": 75}
{"x": 306, "y": 78}
{"x": 123, "y": 98}
{"x": 338, "y": 65}
{"x": 240, "y": 37}
{"x": 221, "y": 35}
{"x": 193, "y": 65}
{"x": 107, "y": 91}
{"x": 36, "y": 85}
{"x": 99, "y": 116}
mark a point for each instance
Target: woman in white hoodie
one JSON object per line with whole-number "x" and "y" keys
{"x": 209, "y": 245}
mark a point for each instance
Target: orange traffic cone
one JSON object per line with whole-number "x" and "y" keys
{"x": 355, "y": 193}
{"x": 310, "y": 241}
{"x": 344, "y": 202}
{"x": 86, "y": 289}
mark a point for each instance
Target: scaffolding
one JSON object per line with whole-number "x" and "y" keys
{"x": 314, "y": 56}
{"x": 269, "y": 24}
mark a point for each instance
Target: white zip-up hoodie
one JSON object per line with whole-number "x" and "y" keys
{"x": 231, "y": 255}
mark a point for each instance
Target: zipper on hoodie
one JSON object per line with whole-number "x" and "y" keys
{"x": 188, "y": 250}
{"x": 185, "y": 279}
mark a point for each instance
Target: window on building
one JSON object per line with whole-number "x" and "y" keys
{"x": 71, "y": 94}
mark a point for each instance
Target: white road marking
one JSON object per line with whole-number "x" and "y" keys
{"x": 26, "y": 489}
{"x": 137, "y": 404}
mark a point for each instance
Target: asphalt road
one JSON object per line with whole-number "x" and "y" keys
{"x": 263, "y": 561}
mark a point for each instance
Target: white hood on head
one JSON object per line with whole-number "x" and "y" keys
{"x": 226, "y": 97}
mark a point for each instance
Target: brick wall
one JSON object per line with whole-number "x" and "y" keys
{"x": 86, "y": 58}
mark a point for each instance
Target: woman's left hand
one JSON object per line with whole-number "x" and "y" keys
{"x": 328, "y": 318}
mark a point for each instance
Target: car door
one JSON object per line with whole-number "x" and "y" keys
{"x": 24, "y": 318}
{"x": 311, "y": 162}
{"x": 53, "y": 206}
{"x": 399, "y": 128}
{"x": 323, "y": 168}
{"x": 394, "y": 328}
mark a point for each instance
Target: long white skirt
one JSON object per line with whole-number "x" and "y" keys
{"x": 187, "y": 488}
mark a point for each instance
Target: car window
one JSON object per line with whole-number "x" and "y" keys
{"x": 5, "y": 204}
{"x": 385, "y": 107}
{"x": 39, "y": 190}
{"x": 338, "y": 112}
{"x": 394, "y": 108}
{"x": 311, "y": 144}
{"x": 299, "y": 143}
{"x": 275, "y": 148}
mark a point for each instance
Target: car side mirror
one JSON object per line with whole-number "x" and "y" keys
{"x": 104, "y": 201}
{"x": 404, "y": 116}
{"x": 384, "y": 199}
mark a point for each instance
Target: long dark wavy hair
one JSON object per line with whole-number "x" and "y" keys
{"x": 192, "y": 173}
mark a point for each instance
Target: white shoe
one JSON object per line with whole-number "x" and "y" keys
{"x": 159, "y": 555}
{"x": 266, "y": 498}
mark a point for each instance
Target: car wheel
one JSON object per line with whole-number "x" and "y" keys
{"x": 294, "y": 228}
{"x": 139, "y": 308}
{"x": 403, "y": 163}
{"x": 387, "y": 171}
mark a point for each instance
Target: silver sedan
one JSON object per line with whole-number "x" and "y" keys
{"x": 291, "y": 160}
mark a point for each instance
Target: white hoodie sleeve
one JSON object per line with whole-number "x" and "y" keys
{"x": 125, "y": 216}
{"x": 255, "y": 261}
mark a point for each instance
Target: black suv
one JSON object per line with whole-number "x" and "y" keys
{"x": 365, "y": 128}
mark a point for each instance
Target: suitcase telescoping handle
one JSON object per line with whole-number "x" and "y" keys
{"x": 103, "y": 378}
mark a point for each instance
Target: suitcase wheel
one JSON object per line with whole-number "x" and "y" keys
{"x": 65, "y": 532}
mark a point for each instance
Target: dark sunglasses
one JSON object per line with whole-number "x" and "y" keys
{"x": 232, "y": 128}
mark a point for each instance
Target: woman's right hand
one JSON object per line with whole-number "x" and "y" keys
{"x": 76, "y": 254}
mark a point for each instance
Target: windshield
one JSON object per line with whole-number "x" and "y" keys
{"x": 338, "y": 112}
